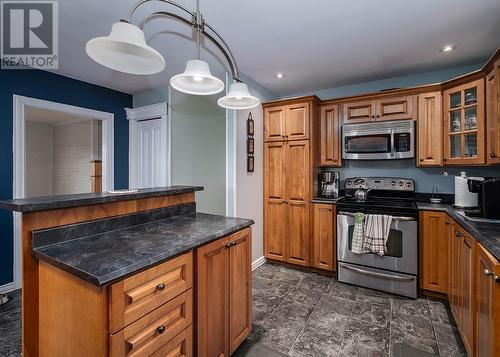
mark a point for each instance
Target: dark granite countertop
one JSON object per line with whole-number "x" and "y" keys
{"x": 486, "y": 233}
{"x": 105, "y": 258}
{"x": 84, "y": 199}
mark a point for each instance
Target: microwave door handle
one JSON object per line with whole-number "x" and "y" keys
{"x": 394, "y": 218}
{"x": 393, "y": 149}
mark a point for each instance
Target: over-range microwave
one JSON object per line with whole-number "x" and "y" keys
{"x": 379, "y": 141}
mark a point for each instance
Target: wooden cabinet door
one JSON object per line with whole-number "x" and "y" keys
{"x": 396, "y": 108}
{"x": 464, "y": 124}
{"x": 329, "y": 132}
{"x": 297, "y": 121}
{"x": 212, "y": 299}
{"x": 487, "y": 304}
{"x": 467, "y": 291}
{"x": 324, "y": 247}
{"x": 493, "y": 115}
{"x": 298, "y": 186}
{"x": 275, "y": 209}
{"x": 274, "y": 123}
{"x": 455, "y": 268}
{"x": 430, "y": 129}
{"x": 240, "y": 288}
{"x": 433, "y": 251}
{"x": 358, "y": 112}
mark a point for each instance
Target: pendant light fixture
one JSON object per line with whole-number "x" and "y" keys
{"x": 125, "y": 50}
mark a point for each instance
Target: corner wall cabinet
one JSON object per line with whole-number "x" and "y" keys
{"x": 324, "y": 242}
{"x": 387, "y": 108}
{"x": 464, "y": 124}
{"x": 493, "y": 115}
{"x": 224, "y": 300}
{"x": 430, "y": 130}
{"x": 330, "y": 139}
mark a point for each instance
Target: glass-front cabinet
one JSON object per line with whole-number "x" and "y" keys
{"x": 464, "y": 141}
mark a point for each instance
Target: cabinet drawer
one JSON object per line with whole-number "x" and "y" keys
{"x": 134, "y": 297}
{"x": 180, "y": 346}
{"x": 151, "y": 332}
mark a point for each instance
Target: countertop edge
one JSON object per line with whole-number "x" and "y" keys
{"x": 138, "y": 267}
{"x": 64, "y": 201}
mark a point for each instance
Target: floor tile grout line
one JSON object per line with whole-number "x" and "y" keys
{"x": 347, "y": 324}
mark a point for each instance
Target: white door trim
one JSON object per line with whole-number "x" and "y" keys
{"x": 160, "y": 111}
{"x": 231, "y": 138}
{"x": 19, "y": 155}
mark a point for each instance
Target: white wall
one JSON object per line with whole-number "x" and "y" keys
{"x": 198, "y": 148}
{"x": 250, "y": 186}
{"x": 38, "y": 159}
{"x": 72, "y": 154}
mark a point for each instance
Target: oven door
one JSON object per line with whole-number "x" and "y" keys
{"x": 402, "y": 245}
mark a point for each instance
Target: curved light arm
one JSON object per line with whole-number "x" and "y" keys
{"x": 222, "y": 45}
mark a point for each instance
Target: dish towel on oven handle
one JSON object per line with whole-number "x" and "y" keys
{"x": 377, "y": 228}
{"x": 358, "y": 234}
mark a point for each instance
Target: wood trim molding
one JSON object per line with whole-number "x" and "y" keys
{"x": 292, "y": 100}
{"x": 147, "y": 112}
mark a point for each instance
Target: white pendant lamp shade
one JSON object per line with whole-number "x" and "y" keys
{"x": 126, "y": 50}
{"x": 238, "y": 97}
{"x": 197, "y": 79}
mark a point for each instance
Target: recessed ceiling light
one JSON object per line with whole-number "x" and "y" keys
{"x": 279, "y": 75}
{"x": 448, "y": 48}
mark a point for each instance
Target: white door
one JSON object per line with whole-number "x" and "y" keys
{"x": 148, "y": 154}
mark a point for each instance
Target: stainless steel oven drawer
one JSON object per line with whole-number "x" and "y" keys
{"x": 396, "y": 283}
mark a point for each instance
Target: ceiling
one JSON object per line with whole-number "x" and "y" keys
{"x": 316, "y": 44}
{"x": 52, "y": 117}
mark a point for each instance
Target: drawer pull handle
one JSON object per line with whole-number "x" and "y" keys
{"x": 160, "y": 287}
{"x": 160, "y": 329}
{"x": 457, "y": 234}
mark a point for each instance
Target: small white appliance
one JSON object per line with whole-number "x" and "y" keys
{"x": 464, "y": 198}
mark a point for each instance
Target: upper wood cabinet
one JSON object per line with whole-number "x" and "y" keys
{"x": 324, "y": 242}
{"x": 433, "y": 251}
{"x": 388, "y": 108}
{"x": 430, "y": 130}
{"x": 330, "y": 139}
{"x": 223, "y": 288}
{"x": 487, "y": 303}
{"x": 493, "y": 115}
{"x": 359, "y": 111}
{"x": 395, "y": 108}
{"x": 287, "y": 122}
{"x": 464, "y": 132}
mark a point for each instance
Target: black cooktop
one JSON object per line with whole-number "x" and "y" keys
{"x": 382, "y": 205}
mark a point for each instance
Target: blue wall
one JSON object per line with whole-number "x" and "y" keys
{"x": 425, "y": 178}
{"x": 56, "y": 88}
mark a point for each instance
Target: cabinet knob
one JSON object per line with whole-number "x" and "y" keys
{"x": 421, "y": 159}
{"x": 457, "y": 234}
{"x": 228, "y": 245}
{"x": 378, "y": 116}
{"x": 373, "y": 116}
{"x": 487, "y": 272}
{"x": 493, "y": 155}
{"x": 233, "y": 243}
{"x": 160, "y": 329}
{"x": 160, "y": 287}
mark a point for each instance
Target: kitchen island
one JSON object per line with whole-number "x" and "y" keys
{"x": 120, "y": 274}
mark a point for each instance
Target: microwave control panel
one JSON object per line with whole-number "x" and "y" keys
{"x": 402, "y": 142}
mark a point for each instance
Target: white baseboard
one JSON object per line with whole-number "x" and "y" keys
{"x": 258, "y": 262}
{"x": 7, "y": 288}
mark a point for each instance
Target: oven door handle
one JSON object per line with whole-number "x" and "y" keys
{"x": 394, "y": 218}
{"x": 378, "y": 275}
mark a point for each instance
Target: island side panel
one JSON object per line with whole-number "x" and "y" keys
{"x": 53, "y": 218}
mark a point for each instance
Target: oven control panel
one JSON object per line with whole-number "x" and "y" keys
{"x": 380, "y": 183}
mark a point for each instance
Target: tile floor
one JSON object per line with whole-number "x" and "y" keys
{"x": 300, "y": 314}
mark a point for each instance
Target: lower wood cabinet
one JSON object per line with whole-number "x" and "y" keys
{"x": 324, "y": 242}
{"x": 433, "y": 251}
{"x": 223, "y": 287}
{"x": 487, "y": 272}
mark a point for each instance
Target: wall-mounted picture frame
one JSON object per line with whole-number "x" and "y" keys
{"x": 250, "y": 125}
{"x": 250, "y": 146}
{"x": 250, "y": 164}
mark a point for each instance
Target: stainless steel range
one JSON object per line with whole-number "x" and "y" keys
{"x": 397, "y": 270}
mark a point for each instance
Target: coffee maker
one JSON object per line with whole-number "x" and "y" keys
{"x": 488, "y": 191}
{"x": 328, "y": 184}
